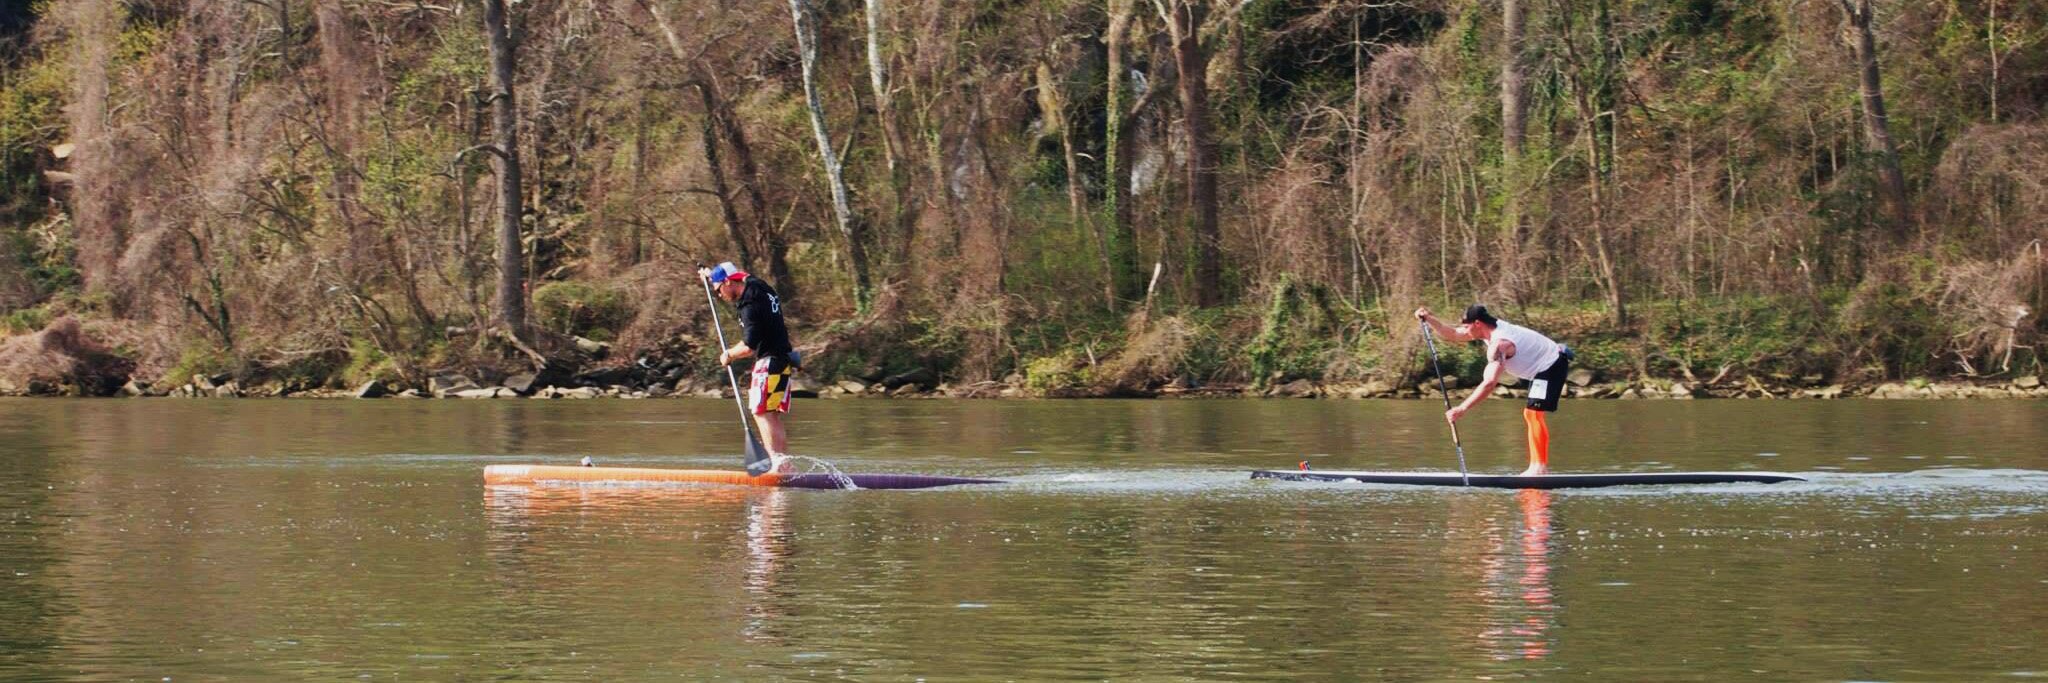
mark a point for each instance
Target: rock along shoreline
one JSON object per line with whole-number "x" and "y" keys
{"x": 921, "y": 386}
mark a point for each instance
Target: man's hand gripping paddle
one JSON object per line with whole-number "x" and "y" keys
{"x": 1431, "y": 340}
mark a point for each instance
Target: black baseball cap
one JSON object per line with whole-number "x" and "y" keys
{"x": 1476, "y": 313}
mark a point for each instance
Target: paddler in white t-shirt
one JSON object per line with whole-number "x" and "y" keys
{"x": 1521, "y": 352}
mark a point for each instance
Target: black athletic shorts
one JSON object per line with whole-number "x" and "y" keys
{"x": 1548, "y": 386}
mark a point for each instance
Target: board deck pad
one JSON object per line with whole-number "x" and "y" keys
{"x": 559, "y": 474}
{"x": 1547, "y": 481}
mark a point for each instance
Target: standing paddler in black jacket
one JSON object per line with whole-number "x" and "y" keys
{"x": 765, "y": 339}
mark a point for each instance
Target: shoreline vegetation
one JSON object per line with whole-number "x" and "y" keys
{"x": 1057, "y": 198}
{"x": 459, "y": 387}
{"x": 1584, "y": 384}
{"x": 1749, "y": 349}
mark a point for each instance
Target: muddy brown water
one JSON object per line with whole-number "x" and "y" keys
{"x": 291, "y": 540}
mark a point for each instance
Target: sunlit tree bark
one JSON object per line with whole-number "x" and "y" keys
{"x": 1120, "y": 237}
{"x": 1876, "y": 126}
{"x": 1184, "y": 20}
{"x": 1514, "y": 108}
{"x": 505, "y": 138}
{"x": 850, "y": 225}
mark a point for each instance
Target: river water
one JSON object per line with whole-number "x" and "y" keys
{"x": 288, "y": 540}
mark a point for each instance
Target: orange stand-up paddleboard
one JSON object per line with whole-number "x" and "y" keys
{"x": 529, "y": 475}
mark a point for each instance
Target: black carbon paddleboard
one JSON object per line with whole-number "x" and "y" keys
{"x": 1548, "y": 481}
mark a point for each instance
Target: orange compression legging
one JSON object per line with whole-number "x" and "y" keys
{"x": 1539, "y": 437}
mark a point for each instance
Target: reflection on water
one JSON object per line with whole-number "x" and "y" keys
{"x": 297, "y": 540}
{"x": 1518, "y": 582}
{"x": 769, "y": 546}
{"x": 522, "y": 518}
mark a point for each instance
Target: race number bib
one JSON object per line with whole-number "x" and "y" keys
{"x": 1539, "y": 389}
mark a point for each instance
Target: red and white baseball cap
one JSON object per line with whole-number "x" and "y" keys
{"x": 727, "y": 271}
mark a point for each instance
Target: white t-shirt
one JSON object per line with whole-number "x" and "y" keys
{"x": 1534, "y": 352}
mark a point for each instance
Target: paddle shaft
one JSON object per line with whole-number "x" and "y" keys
{"x": 1429, "y": 339}
{"x": 738, "y": 399}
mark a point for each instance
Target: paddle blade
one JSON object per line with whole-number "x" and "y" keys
{"x": 758, "y": 462}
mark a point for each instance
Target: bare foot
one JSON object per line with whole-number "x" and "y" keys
{"x": 1535, "y": 471}
{"x": 782, "y": 464}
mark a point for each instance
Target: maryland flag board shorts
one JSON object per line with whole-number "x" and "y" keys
{"x": 770, "y": 390}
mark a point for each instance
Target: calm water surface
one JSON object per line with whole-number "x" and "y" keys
{"x": 288, "y": 540}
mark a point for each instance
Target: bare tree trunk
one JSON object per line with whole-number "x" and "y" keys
{"x": 1606, "y": 69}
{"x": 340, "y": 56}
{"x": 718, "y": 113}
{"x": 1077, "y": 206}
{"x": 1354, "y": 171}
{"x": 1596, "y": 179}
{"x": 1514, "y": 108}
{"x": 1991, "y": 41}
{"x": 1121, "y": 238}
{"x": 635, "y": 243}
{"x": 990, "y": 197}
{"x": 465, "y": 236}
{"x": 726, "y": 212}
{"x": 95, "y": 207}
{"x": 1601, "y": 117}
{"x": 766, "y": 234}
{"x": 1592, "y": 83}
{"x": 1876, "y": 126}
{"x": 1191, "y": 60}
{"x": 894, "y": 147}
{"x": 336, "y": 129}
{"x": 878, "y": 76}
{"x": 1604, "y": 260}
{"x": 217, "y": 316}
{"x": 1053, "y": 98}
{"x": 534, "y": 170}
{"x": 1514, "y": 98}
{"x": 849, "y": 225}
{"x": 505, "y": 136}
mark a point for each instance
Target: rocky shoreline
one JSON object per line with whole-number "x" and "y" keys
{"x": 923, "y": 384}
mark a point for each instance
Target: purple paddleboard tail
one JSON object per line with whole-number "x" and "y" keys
{"x": 878, "y": 481}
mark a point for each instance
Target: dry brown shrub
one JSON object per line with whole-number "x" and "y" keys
{"x": 1985, "y": 304}
{"x": 1992, "y": 185}
{"x": 1155, "y": 353}
{"x": 1294, "y": 226}
{"x": 97, "y": 162}
{"x": 985, "y": 348}
{"x": 62, "y": 355}
{"x": 15, "y": 289}
{"x": 668, "y": 300}
{"x": 1392, "y": 212}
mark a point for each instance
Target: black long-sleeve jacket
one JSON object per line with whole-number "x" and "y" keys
{"x": 761, "y": 321}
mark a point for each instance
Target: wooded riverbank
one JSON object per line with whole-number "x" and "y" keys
{"x": 917, "y": 386}
{"x": 1069, "y": 197}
